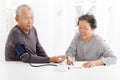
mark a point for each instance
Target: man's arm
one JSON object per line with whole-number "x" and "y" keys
{"x": 29, "y": 58}
{"x": 40, "y": 51}
{"x": 26, "y": 55}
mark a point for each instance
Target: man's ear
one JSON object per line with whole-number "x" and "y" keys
{"x": 16, "y": 18}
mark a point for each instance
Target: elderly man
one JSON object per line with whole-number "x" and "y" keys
{"x": 23, "y": 43}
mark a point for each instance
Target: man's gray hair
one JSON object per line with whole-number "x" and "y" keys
{"x": 19, "y": 8}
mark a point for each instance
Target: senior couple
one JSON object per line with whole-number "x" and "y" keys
{"x": 23, "y": 43}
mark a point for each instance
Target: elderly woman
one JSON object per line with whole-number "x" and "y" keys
{"x": 89, "y": 47}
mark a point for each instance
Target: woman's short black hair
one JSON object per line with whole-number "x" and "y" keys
{"x": 90, "y": 19}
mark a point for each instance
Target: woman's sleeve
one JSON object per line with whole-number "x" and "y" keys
{"x": 73, "y": 46}
{"x": 106, "y": 53}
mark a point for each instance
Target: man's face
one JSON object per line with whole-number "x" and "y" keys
{"x": 25, "y": 19}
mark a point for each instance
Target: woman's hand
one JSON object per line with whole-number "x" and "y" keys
{"x": 89, "y": 64}
{"x": 69, "y": 60}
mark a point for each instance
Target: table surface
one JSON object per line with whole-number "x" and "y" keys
{"x": 23, "y": 71}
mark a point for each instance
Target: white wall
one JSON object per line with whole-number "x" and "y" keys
{"x": 55, "y": 21}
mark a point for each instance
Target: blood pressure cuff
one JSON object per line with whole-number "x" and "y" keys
{"x": 21, "y": 49}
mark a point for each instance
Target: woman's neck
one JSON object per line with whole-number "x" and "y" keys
{"x": 88, "y": 39}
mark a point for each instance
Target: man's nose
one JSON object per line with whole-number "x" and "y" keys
{"x": 30, "y": 21}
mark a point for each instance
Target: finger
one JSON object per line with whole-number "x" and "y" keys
{"x": 60, "y": 59}
{"x": 70, "y": 59}
{"x": 86, "y": 65}
{"x": 60, "y": 56}
{"x": 92, "y": 65}
{"x": 68, "y": 62}
{"x": 63, "y": 56}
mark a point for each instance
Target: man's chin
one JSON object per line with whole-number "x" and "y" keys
{"x": 29, "y": 27}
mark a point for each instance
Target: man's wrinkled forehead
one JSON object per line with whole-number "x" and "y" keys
{"x": 23, "y": 8}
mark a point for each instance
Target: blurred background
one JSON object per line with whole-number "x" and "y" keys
{"x": 56, "y": 22}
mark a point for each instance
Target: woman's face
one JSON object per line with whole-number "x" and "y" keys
{"x": 85, "y": 30}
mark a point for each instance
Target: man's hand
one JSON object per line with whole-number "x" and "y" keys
{"x": 89, "y": 64}
{"x": 57, "y": 59}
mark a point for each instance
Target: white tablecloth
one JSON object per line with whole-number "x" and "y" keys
{"x": 23, "y": 71}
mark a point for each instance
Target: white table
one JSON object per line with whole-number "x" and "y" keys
{"x": 23, "y": 71}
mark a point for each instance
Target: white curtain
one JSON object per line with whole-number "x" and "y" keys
{"x": 55, "y": 21}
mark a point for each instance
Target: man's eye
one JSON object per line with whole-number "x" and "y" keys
{"x": 26, "y": 18}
